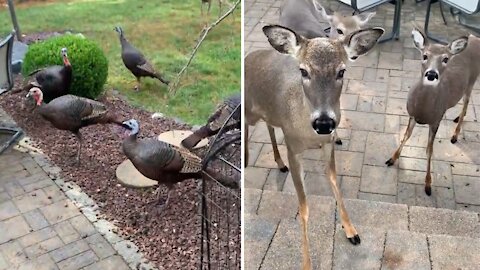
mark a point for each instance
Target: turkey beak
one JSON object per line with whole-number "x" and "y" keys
{"x": 28, "y": 95}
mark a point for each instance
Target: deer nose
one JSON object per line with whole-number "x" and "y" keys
{"x": 324, "y": 124}
{"x": 431, "y": 75}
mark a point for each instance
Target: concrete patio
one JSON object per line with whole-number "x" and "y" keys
{"x": 401, "y": 227}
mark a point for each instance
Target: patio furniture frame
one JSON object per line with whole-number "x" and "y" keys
{"x": 395, "y": 33}
{"x": 6, "y": 80}
{"x": 464, "y": 11}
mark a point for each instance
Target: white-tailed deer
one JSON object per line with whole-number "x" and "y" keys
{"x": 305, "y": 17}
{"x": 448, "y": 74}
{"x": 209, "y": 5}
{"x": 297, "y": 88}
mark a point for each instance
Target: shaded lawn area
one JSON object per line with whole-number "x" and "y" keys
{"x": 165, "y": 31}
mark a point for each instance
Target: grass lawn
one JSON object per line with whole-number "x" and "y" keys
{"x": 165, "y": 31}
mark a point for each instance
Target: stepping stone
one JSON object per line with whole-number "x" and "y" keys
{"x": 128, "y": 176}
{"x": 175, "y": 137}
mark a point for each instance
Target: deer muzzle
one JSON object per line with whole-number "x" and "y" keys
{"x": 431, "y": 75}
{"x": 324, "y": 124}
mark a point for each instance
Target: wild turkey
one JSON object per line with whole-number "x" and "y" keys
{"x": 71, "y": 113}
{"x": 164, "y": 162}
{"x": 135, "y": 61}
{"x": 55, "y": 81}
{"x": 216, "y": 121}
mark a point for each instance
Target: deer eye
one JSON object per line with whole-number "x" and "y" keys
{"x": 425, "y": 57}
{"x": 340, "y": 32}
{"x": 445, "y": 60}
{"x": 340, "y": 74}
{"x": 304, "y": 72}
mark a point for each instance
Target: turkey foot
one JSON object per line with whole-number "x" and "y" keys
{"x": 158, "y": 208}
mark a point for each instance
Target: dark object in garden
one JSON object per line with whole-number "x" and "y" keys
{"x": 162, "y": 161}
{"x": 216, "y": 120}
{"x": 55, "y": 81}
{"x": 135, "y": 61}
{"x": 71, "y": 113}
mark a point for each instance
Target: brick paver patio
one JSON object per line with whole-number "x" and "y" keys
{"x": 400, "y": 227}
{"x": 42, "y": 228}
{"x": 374, "y": 119}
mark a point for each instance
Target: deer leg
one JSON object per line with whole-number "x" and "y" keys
{"x": 347, "y": 225}
{"x": 406, "y": 136}
{"x": 460, "y": 118}
{"x": 245, "y": 140}
{"x": 219, "y": 8}
{"x": 337, "y": 139}
{"x": 276, "y": 153}
{"x": 297, "y": 176}
{"x": 431, "y": 138}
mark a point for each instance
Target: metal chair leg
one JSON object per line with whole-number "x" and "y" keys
{"x": 16, "y": 134}
{"x": 395, "y": 34}
{"x": 441, "y": 12}
{"x": 427, "y": 21}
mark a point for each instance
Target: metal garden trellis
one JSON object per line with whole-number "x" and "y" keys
{"x": 220, "y": 207}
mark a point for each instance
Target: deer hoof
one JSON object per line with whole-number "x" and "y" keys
{"x": 454, "y": 139}
{"x": 355, "y": 240}
{"x": 338, "y": 141}
{"x": 428, "y": 190}
{"x": 456, "y": 119}
{"x": 390, "y": 162}
{"x": 284, "y": 169}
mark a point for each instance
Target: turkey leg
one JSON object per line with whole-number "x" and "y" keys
{"x": 79, "y": 138}
{"x": 159, "y": 208}
{"x": 137, "y": 86}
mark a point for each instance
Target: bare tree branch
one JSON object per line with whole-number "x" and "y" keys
{"x": 173, "y": 87}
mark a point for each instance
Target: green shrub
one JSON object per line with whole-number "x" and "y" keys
{"x": 89, "y": 64}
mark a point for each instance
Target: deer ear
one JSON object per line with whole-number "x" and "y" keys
{"x": 283, "y": 39}
{"x": 419, "y": 39}
{"x": 362, "y": 41}
{"x": 363, "y": 18}
{"x": 320, "y": 9}
{"x": 458, "y": 45}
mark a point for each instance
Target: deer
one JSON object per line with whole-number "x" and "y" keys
{"x": 305, "y": 17}
{"x": 448, "y": 73}
{"x": 297, "y": 88}
{"x": 209, "y": 5}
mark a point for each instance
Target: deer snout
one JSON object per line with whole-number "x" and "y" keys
{"x": 431, "y": 75}
{"x": 324, "y": 124}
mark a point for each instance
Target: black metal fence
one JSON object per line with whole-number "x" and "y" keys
{"x": 221, "y": 205}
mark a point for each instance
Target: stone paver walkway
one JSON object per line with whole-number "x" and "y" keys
{"x": 42, "y": 228}
{"x": 400, "y": 227}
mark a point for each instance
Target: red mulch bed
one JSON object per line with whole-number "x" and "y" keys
{"x": 170, "y": 240}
